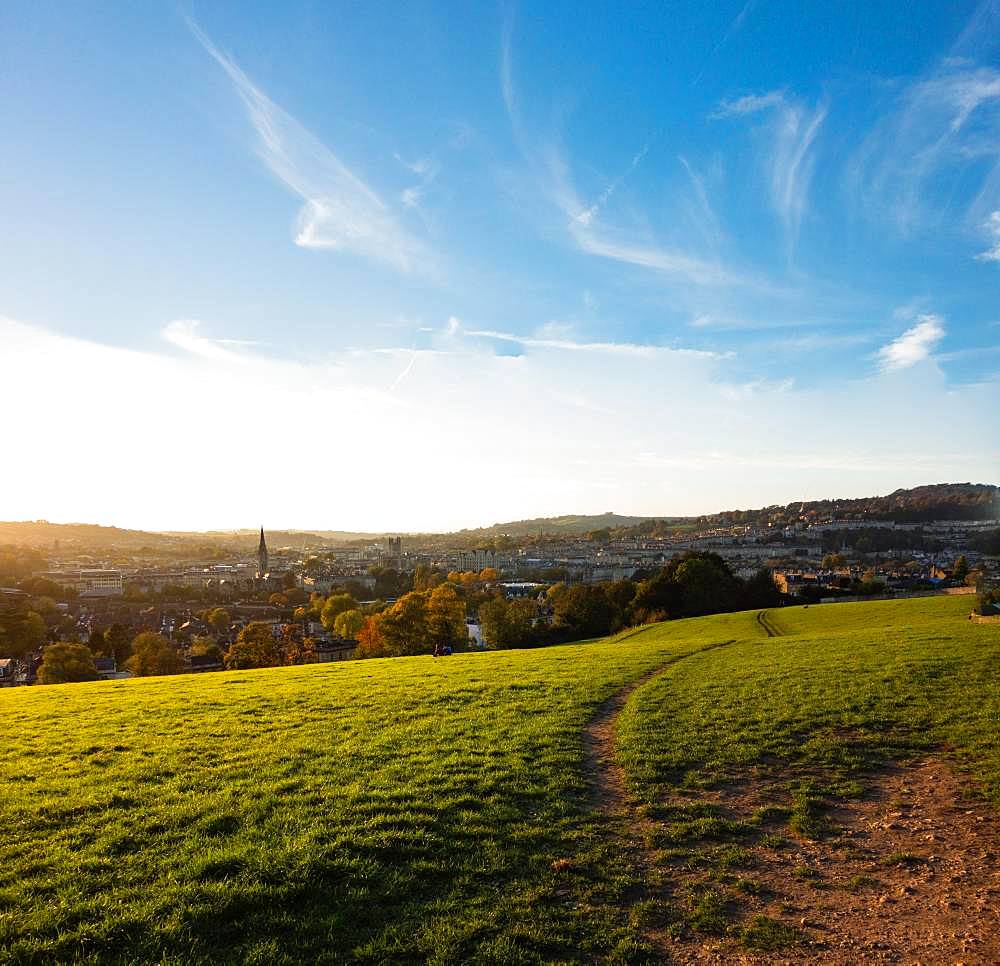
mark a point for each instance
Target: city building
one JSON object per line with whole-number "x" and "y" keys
{"x": 93, "y": 583}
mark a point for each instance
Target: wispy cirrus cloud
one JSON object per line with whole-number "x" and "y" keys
{"x": 793, "y": 162}
{"x": 586, "y": 216}
{"x": 609, "y": 348}
{"x": 790, "y": 156}
{"x": 427, "y": 170}
{"x": 992, "y": 227}
{"x": 698, "y": 206}
{"x": 944, "y": 129}
{"x": 340, "y": 212}
{"x": 620, "y": 246}
{"x": 584, "y": 225}
{"x": 913, "y": 346}
{"x": 748, "y": 104}
{"x": 735, "y": 26}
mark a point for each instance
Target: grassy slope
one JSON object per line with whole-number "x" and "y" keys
{"x": 412, "y": 809}
{"x": 797, "y": 722}
{"x": 848, "y": 686}
{"x": 407, "y": 808}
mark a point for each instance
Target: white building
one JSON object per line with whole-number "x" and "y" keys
{"x": 98, "y": 583}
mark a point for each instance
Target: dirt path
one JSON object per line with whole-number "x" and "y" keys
{"x": 604, "y": 774}
{"x": 767, "y": 625}
{"x": 608, "y": 796}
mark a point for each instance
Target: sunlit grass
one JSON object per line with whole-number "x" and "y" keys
{"x": 850, "y": 686}
{"x": 404, "y": 809}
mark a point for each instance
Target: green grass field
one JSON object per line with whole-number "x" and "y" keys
{"x": 420, "y": 810}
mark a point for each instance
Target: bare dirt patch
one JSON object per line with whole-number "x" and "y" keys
{"x": 910, "y": 873}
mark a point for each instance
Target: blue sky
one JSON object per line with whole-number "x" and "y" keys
{"x": 425, "y": 266}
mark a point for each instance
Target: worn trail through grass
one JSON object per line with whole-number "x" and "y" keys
{"x": 767, "y": 624}
{"x": 604, "y": 773}
{"x": 608, "y": 795}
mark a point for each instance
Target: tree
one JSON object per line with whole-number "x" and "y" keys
{"x": 335, "y": 605}
{"x": 349, "y": 623}
{"x": 707, "y": 583}
{"x": 403, "y": 627}
{"x": 584, "y": 610}
{"x": 43, "y": 587}
{"x": 620, "y": 593}
{"x": 44, "y": 606}
{"x": 206, "y": 646}
{"x": 356, "y": 589}
{"x": 425, "y": 578}
{"x": 445, "y": 618}
{"x": 657, "y": 598}
{"x": 218, "y": 619}
{"x": 278, "y": 600}
{"x": 19, "y": 562}
{"x": 118, "y": 643}
{"x": 63, "y": 663}
{"x": 97, "y": 643}
{"x": 153, "y": 654}
{"x": 495, "y": 622}
{"x": 760, "y": 591}
{"x": 255, "y": 646}
{"x": 21, "y": 631}
{"x": 961, "y": 569}
{"x": 833, "y": 561}
{"x": 507, "y": 623}
{"x": 370, "y": 642}
{"x": 693, "y": 583}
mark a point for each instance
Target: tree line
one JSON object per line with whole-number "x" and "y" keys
{"x": 692, "y": 584}
{"x": 434, "y": 615}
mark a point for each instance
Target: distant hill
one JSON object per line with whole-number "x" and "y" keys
{"x": 89, "y": 536}
{"x": 567, "y": 524}
{"x": 41, "y": 533}
{"x": 939, "y": 501}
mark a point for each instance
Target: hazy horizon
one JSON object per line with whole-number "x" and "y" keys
{"x": 314, "y": 527}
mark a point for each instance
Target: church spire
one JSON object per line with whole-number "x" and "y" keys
{"x": 261, "y": 556}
